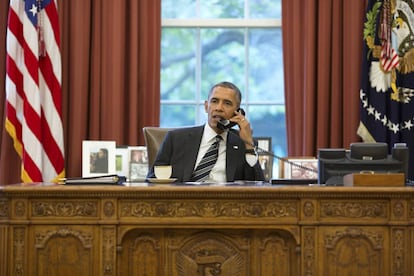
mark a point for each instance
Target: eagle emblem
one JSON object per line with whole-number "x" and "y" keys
{"x": 397, "y": 22}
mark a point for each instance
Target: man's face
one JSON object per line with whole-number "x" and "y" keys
{"x": 221, "y": 105}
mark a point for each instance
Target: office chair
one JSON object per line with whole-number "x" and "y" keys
{"x": 153, "y": 138}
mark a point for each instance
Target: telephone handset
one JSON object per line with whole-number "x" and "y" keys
{"x": 226, "y": 124}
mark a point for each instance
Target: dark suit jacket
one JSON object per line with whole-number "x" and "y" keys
{"x": 180, "y": 149}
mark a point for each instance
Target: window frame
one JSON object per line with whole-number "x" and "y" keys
{"x": 239, "y": 23}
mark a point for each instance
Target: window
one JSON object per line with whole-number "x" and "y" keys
{"x": 205, "y": 42}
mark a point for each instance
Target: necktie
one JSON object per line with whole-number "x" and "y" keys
{"x": 207, "y": 162}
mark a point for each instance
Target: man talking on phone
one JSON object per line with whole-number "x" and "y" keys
{"x": 213, "y": 152}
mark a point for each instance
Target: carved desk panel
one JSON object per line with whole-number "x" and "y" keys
{"x": 210, "y": 230}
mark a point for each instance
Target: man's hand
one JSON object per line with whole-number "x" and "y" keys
{"x": 245, "y": 130}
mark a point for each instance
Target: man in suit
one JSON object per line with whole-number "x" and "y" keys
{"x": 184, "y": 148}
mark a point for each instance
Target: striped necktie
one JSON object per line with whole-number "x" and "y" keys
{"x": 207, "y": 162}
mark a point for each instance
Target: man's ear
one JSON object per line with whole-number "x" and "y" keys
{"x": 206, "y": 106}
{"x": 235, "y": 111}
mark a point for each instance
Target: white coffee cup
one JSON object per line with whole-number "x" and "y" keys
{"x": 163, "y": 172}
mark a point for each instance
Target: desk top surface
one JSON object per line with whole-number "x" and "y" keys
{"x": 224, "y": 190}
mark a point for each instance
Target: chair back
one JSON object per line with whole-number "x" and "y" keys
{"x": 153, "y": 138}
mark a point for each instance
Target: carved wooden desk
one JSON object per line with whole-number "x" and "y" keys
{"x": 206, "y": 230}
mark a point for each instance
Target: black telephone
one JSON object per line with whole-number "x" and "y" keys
{"x": 226, "y": 124}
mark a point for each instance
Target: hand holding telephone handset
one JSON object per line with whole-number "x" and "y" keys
{"x": 226, "y": 124}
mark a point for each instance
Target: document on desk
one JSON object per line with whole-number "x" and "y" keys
{"x": 235, "y": 183}
{"x": 112, "y": 179}
{"x": 192, "y": 183}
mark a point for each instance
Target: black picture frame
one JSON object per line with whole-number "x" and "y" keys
{"x": 265, "y": 158}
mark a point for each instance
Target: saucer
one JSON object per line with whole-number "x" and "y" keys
{"x": 162, "y": 180}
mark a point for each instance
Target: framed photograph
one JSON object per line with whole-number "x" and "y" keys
{"x": 138, "y": 154}
{"x": 299, "y": 168}
{"x": 266, "y": 163}
{"x": 137, "y": 172}
{"x": 265, "y": 159}
{"x": 138, "y": 163}
{"x": 98, "y": 158}
{"x": 122, "y": 161}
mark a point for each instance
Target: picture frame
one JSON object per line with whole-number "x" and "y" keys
{"x": 307, "y": 168}
{"x": 265, "y": 159}
{"x": 122, "y": 161}
{"x": 264, "y": 143}
{"x": 138, "y": 163}
{"x": 98, "y": 158}
{"x": 137, "y": 172}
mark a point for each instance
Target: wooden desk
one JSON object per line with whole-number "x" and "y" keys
{"x": 206, "y": 230}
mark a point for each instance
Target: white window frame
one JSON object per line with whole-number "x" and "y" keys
{"x": 220, "y": 23}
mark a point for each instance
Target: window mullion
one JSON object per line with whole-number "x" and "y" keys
{"x": 198, "y": 74}
{"x": 246, "y": 66}
{"x": 221, "y": 23}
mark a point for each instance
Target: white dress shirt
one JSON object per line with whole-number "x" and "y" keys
{"x": 218, "y": 172}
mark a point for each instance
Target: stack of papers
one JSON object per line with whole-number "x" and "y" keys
{"x": 112, "y": 179}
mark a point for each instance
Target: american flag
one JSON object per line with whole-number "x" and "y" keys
{"x": 389, "y": 57}
{"x": 33, "y": 89}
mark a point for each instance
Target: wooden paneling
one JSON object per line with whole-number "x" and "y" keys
{"x": 209, "y": 230}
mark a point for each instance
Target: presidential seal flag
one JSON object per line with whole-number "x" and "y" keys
{"x": 387, "y": 83}
{"x": 33, "y": 89}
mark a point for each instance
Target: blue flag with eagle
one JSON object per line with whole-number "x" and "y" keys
{"x": 387, "y": 82}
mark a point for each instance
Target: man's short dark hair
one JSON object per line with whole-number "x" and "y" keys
{"x": 229, "y": 85}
